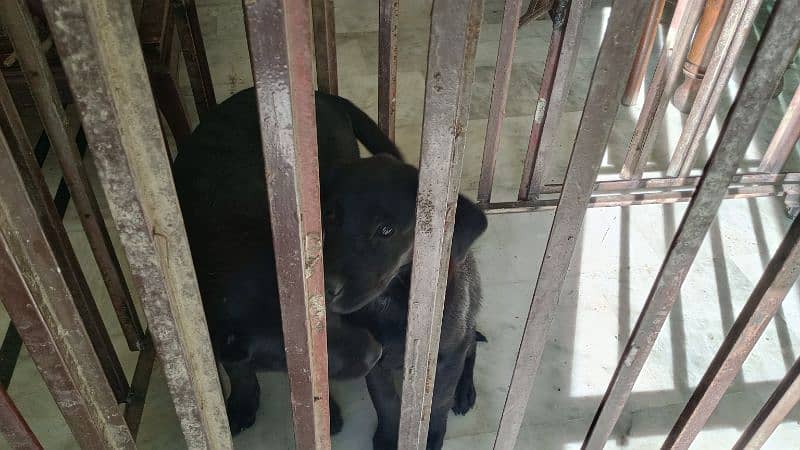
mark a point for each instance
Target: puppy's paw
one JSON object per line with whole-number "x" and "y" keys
{"x": 242, "y": 413}
{"x": 465, "y": 398}
{"x": 337, "y": 421}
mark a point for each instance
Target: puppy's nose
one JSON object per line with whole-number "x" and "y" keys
{"x": 333, "y": 286}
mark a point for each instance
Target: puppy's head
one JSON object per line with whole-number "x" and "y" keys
{"x": 368, "y": 217}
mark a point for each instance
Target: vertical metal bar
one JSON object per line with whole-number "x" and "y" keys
{"x": 279, "y": 34}
{"x": 564, "y": 44}
{"x": 643, "y": 51}
{"x": 140, "y": 383}
{"x": 109, "y": 81}
{"x": 387, "y": 65}
{"x": 771, "y": 58}
{"x": 455, "y": 25}
{"x": 14, "y": 427}
{"x": 325, "y": 45}
{"x": 194, "y": 54}
{"x": 20, "y": 27}
{"x": 40, "y": 303}
{"x": 779, "y": 276}
{"x": 774, "y": 411}
{"x": 615, "y": 58}
{"x": 715, "y": 82}
{"x": 663, "y": 84}
{"x": 784, "y": 139}
{"x": 497, "y": 108}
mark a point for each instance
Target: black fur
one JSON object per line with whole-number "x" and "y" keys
{"x": 220, "y": 180}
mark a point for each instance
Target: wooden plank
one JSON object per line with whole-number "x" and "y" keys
{"x": 772, "y": 56}
{"x": 455, "y": 25}
{"x": 564, "y": 45}
{"x": 20, "y": 27}
{"x": 729, "y": 46}
{"x": 778, "y": 406}
{"x": 497, "y": 107}
{"x": 279, "y": 34}
{"x": 625, "y": 24}
{"x": 325, "y": 46}
{"x": 109, "y": 81}
{"x": 664, "y": 82}
{"x": 387, "y": 65}
{"x": 784, "y": 139}
{"x": 40, "y": 302}
{"x": 779, "y": 276}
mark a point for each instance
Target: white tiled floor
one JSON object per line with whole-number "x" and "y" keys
{"x": 619, "y": 254}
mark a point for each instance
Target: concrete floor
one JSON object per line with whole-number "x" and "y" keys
{"x": 618, "y": 256}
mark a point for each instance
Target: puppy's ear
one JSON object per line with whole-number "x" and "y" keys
{"x": 470, "y": 224}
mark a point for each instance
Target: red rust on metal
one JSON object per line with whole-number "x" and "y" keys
{"x": 14, "y": 427}
{"x": 455, "y": 25}
{"x": 779, "y": 276}
{"x": 109, "y": 81}
{"x": 774, "y": 411}
{"x": 642, "y": 59}
{"x": 387, "y": 65}
{"x": 41, "y": 304}
{"x": 734, "y": 35}
{"x": 497, "y": 108}
{"x": 325, "y": 46}
{"x": 194, "y": 54}
{"x": 784, "y": 139}
{"x": 286, "y": 104}
{"x": 773, "y": 54}
{"x": 625, "y": 24}
{"x": 564, "y": 45}
{"x": 664, "y": 82}
{"x": 20, "y": 27}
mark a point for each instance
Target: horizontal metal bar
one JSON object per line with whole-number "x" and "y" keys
{"x": 733, "y": 36}
{"x": 13, "y": 426}
{"x": 279, "y": 34}
{"x": 109, "y": 80}
{"x": 774, "y": 411}
{"x": 627, "y": 198}
{"x": 625, "y": 25}
{"x": 455, "y": 26}
{"x": 772, "y": 56}
{"x": 779, "y": 276}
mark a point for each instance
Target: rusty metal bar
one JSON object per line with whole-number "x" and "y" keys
{"x": 536, "y": 9}
{"x": 663, "y": 84}
{"x": 779, "y": 276}
{"x": 455, "y": 26}
{"x": 325, "y": 45}
{"x": 497, "y": 107}
{"x": 39, "y": 300}
{"x": 14, "y": 427}
{"x": 784, "y": 139}
{"x": 625, "y": 25}
{"x": 772, "y": 56}
{"x": 279, "y": 34}
{"x": 109, "y": 82}
{"x": 194, "y": 54}
{"x": 561, "y": 58}
{"x": 387, "y": 65}
{"x": 715, "y": 82}
{"x": 140, "y": 383}
{"x": 774, "y": 411}
{"x": 643, "y": 52}
{"x": 21, "y": 30}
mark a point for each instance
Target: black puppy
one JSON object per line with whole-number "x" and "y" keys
{"x": 219, "y": 176}
{"x": 369, "y": 216}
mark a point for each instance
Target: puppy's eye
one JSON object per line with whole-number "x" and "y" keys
{"x": 385, "y": 231}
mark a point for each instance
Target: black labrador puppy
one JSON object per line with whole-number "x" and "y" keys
{"x": 369, "y": 208}
{"x": 219, "y": 177}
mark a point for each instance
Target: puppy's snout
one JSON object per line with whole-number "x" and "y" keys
{"x": 333, "y": 287}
